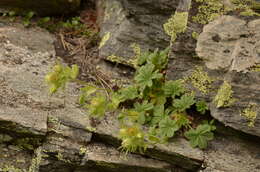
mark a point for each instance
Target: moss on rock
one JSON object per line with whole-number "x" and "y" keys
{"x": 224, "y": 96}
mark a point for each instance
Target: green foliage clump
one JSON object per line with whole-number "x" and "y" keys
{"x": 224, "y": 96}
{"x": 26, "y": 16}
{"x": 201, "y": 106}
{"x": 132, "y": 139}
{"x": 150, "y": 111}
{"x": 60, "y": 76}
{"x": 201, "y": 135}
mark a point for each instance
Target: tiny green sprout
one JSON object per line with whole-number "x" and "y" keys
{"x": 43, "y": 21}
{"x": 27, "y": 18}
{"x": 60, "y": 76}
{"x": 201, "y": 106}
{"x": 195, "y": 35}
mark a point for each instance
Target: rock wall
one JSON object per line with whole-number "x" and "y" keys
{"x": 43, "y": 7}
{"x": 42, "y": 133}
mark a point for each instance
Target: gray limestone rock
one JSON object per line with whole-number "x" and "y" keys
{"x": 125, "y": 22}
{"x": 232, "y": 154}
{"x": 14, "y": 159}
{"x": 231, "y": 45}
{"x": 28, "y": 112}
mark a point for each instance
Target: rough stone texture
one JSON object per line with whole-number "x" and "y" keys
{"x": 94, "y": 156}
{"x": 72, "y": 142}
{"x": 129, "y": 22}
{"x": 232, "y": 45}
{"x": 225, "y": 153}
{"x": 46, "y": 7}
{"x": 12, "y": 158}
{"x": 20, "y": 93}
{"x": 177, "y": 152}
{"x": 232, "y": 154}
{"x": 34, "y": 118}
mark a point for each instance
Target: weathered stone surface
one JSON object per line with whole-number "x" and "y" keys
{"x": 178, "y": 152}
{"x": 96, "y": 156}
{"x": 46, "y": 7}
{"x": 225, "y": 153}
{"x": 13, "y": 158}
{"x": 232, "y": 154}
{"x": 23, "y": 56}
{"x": 231, "y": 45}
{"x": 124, "y": 22}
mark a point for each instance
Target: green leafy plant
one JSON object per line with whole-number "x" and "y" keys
{"x": 201, "y": 135}
{"x": 201, "y": 107}
{"x": 11, "y": 14}
{"x": 27, "y": 18}
{"x": 41, "y": 22}
{"x": 151, "y": 110}
{"x": 60, "y": 76}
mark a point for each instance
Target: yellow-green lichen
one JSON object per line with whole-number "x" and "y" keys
{"x": 255, "y": 68}
{"x": 11, "y": 168}
{"x": 121, "y": 60}
{"x": 201, "y": 80}
{"x": 250, "y": 113}
{"x": 54, "y": 124}
{"x": 246, "y": 7}
{"x": 136, "y": 49}
{"x": 104, "y": 39}
{"x": 91, "y": 129}
{"x": 224, "y": 96}
{"x": 209, "y": 10}
{"x": 176, "y": 24}
{"x": 195, "y": 35}
{"x": 28, "y": 143}
{"x": 34, "y": 167}
{"x": 137, "y": 54}
{"x": 82, "y": 151}
{"x": 60, "y": 157}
